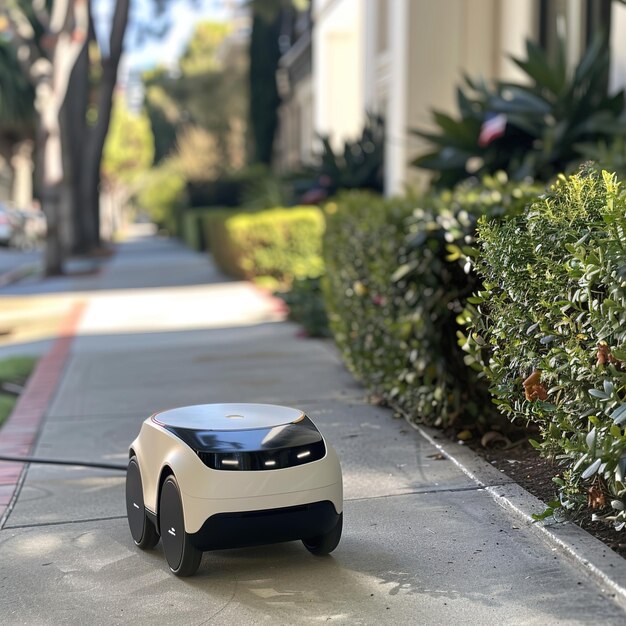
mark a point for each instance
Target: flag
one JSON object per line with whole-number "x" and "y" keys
{"x": 492, "y": 128}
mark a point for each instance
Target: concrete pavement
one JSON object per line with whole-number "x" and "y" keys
{"x": 422, "y": 544}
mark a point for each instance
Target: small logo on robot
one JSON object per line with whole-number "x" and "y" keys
{"x": 172, "y": 531}
{"x": 135, "y": 505}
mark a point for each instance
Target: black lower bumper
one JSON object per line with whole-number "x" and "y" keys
{"x": 249, "y": 528}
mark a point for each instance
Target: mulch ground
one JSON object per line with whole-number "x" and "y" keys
{"x": 527, "y": 468}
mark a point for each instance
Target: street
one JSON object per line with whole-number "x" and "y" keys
{"x": 12, "y": 259}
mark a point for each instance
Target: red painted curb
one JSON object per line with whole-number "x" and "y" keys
{"x": 20, "y": 431}
{"x": 278, "y": 306}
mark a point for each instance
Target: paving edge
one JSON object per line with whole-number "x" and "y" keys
{"x": 19, "y": 273}
{"x": 596, "y": 558}
{"x": 278, "y": 305}
{"x": 20, "y": 431}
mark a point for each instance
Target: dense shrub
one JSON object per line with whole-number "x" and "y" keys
{"x": 162, "y": 196}
{"x": 395, "y": 286}
{"x": 361, "y": 245}
{"x": 279, "y": 243}
{"x": 549, "y": 327}
{"x": 253, "y": 186}
{"x": 436, "y": 280}
{"x": 306, "y": 306}
{"x": 194, "y": 227}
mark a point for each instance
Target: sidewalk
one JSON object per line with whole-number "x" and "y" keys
{"x": 422, "y": 543}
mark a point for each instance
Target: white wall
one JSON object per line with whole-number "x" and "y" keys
{"x": 618, "y": 47}
{"x": 338, "y": 68}
{"x": 431, "y": 45}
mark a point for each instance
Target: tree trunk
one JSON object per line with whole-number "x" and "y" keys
{"x": 54, "y": 253}
{"x": 94, "y": 144}
{"x": 74, "y": 123}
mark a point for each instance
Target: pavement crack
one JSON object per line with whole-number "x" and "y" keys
{"x": 65, "y": 522}
{"x": 226, "y": 605}
{"x": 425, "y": 492}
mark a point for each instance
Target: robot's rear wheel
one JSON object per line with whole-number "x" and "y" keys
{"x": 181, "y": 555}
{"x": 325, "y": 544}
{"x": 141, "y": 528}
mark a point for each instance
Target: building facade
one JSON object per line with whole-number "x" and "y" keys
{"x": 404, "y": 58}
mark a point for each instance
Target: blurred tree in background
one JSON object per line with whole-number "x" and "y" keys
{"x": 264, "y": 57}
{"x": 17, "y": 113}
{"x": 128, "y": 152}
{"x": 208, "y": 92}
{"x": 56, "y": 46}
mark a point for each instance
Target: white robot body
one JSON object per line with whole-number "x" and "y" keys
{"x": 231, "y": 475}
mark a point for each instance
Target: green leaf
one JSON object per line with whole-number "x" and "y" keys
{"x": 596, "y": 393}
{"x": 619, "y": 415}
{"x": 541, "y": 516}
{"x": 401, "y": 272}
{"x": 592, "y": 469}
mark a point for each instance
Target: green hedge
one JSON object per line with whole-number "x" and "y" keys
{"x": 365, "y": 308}
{"x": 194, "y": 227}
{"x": 395, "y": 287}
{"x": 549, "y": 328}
{"x": 305, "y": 303}
{"x": 281, "y": 243}
{"x": 162, "y": 197}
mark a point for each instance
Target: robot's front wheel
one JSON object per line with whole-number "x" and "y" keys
{"x": 142, "y": 529}
{"x": 325, "y": 544}
{"x": 181, "y": 555}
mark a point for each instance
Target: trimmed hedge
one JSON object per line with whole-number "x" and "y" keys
{"x": 194, "y": 227}
{"x": 365, "y": 308}
{"x": 306, "y": 306}
{"x": 549, "y": 329}
{"x": 396, "y": 284}
{"x": 282, "y": 243}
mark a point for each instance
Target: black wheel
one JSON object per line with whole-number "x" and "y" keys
{"x": 325, "y": 544}
{"x": 182, "y": 556}
{"x": 141, "y": 528}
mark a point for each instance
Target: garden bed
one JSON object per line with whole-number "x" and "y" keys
{"x": 530, "y": 470}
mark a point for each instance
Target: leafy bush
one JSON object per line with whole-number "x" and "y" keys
{"x": 194, "y": 227}
{"x": 162, "y": 196}
{"x": 436, "y": 280}
{"x": 610, "y": 155}
{"x": 280, "y": 243}
{"x": 358, "y": 166}
{"x": 361, "y": 164}
{"x": 546, "y": 120}
{"x": 395, "y": 286}
{"x": 549, "y": 328}
{"x": 254, "y": 186}
{"x": 306, "y": 306}
{"x": 364, "y": 234}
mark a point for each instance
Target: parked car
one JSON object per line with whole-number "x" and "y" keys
{"x": 23, "y": 229}
{"x": 31, "y": 229}
{"x": 8, "y": 225}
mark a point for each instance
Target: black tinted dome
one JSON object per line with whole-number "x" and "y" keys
{"x": 228, "y": 417}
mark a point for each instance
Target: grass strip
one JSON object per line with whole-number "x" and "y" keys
{"x": 16, "y": 370}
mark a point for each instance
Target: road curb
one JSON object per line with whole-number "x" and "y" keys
{"x": 17, "y": 274}
{"x": 20, "y": 431}
{"x": 596, "y": 558}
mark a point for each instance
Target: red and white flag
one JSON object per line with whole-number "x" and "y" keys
{"x": 492, "y": 128}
